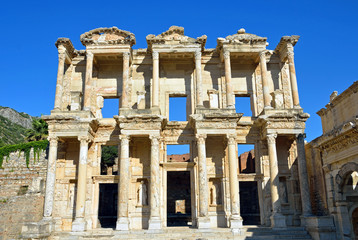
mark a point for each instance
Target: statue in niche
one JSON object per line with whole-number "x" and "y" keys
{"x": 214, "y": 194}
{"x": 283, "y": 190}
{"x": 142, "y": 194}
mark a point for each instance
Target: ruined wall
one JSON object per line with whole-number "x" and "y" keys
{"x": 21, "y": 192}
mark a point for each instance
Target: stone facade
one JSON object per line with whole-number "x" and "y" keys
{"x": 332, "y": 161}
{"x": 143, "y": 80}
{"x": 21, "y": 192}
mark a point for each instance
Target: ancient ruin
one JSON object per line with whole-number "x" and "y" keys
{"x": 269, "y": 189}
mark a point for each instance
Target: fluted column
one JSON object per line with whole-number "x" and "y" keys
{"x": 88, "y": 82}
{"x": 123, "y": 186}
{"x": 60, "y": 75}
{"x": 294, "y": 88}
{"x": 229, "y": 89}
{"x": 265, "y": 86}
{"x": 154, "y": 220}
{"x": 51, "y": 177}
{"x": 235, "y": 218}
{"x": 79, "y": 224}
{"x": 199, "y": 82}
{"x": 155, "y": 86}
{"x": 302, "y": 171}
{"x": 277, "y": 219}
{"x": 203, "y": 220}
{"x": 125, "y": 84}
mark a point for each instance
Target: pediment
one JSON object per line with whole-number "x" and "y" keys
{"x": 174, "y": 36}
{"x": 108, "y": 36}
{"x": 242, "y": 38}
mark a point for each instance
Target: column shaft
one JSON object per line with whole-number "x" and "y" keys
{"x": 265, "y": 86}
{"x": 277, "y": 220}
{"x": 60, "y": 75}
{"x": 125, "y": 84}
{"x": 229, "y": 89}
{"x": 154, "y": 221}
{"x": 51, "y": 177}
{"x": 302, "y": 171}
{"x": 155, "y": 84}
{"x": 79, "y": 224}
{"x": 123, "y": 186}
{"x": 199, "y": 83}
{"x": 203, "y": 180}
{"x": 88, "y": 82}
{"x": 294, "y": 88}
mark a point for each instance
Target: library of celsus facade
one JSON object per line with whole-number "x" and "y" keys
{"x": 139, "y": 190}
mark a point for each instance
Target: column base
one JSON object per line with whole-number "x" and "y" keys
{"x": 37, "y": 230}
{"x": 236, "y": 224}
{"x": 155, "y": 223}
{"x": 203, "y": 222}
{"x": 122, "y": 224}
{"x": 78, "y": 225}
{"x": 278, "y": 220}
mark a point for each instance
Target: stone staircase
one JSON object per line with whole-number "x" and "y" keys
{"x": 185, "y": 233}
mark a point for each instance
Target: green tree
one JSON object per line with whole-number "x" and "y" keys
{"x": 39, "y": 131}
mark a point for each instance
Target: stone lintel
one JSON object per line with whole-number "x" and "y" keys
{"x": 109, "y": 50}
{"x": 141, "y": 122}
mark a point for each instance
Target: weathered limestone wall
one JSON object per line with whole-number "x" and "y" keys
{"x": 21, "y": 192}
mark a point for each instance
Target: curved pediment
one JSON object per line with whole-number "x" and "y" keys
{"x": 108, "y": 36}
{"x": 174, "y": 35}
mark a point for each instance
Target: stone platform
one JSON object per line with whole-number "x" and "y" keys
{"x": 250, "y": 232}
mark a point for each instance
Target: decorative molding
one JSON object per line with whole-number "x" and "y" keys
{"x": 108, "y": 36}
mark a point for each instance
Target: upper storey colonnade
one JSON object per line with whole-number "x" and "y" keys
{"x": 113, "y": 44}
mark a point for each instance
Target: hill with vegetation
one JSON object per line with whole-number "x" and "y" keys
{"x": 13, "y": 126}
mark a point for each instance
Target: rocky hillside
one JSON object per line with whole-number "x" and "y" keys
{"x": 13, "y": 126}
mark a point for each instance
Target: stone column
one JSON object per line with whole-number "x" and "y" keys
{"x": 154, "y": 220}
{"x": 51, "y": 177}
{"x": 123, "y": 186}
{"x": 229, "y": 89}
{"x": 79, "y": 224}
{"x": 277, "y": 219}
{"x": 155, "y": 83}
{"x": 88, "y": 82}
{"x": 60, "y": 75}
{"x": 203, "y": 219}
{"x": 265, "y": 86}
{"x": 199, "y": 82}
{"x": 235, "y": 218}
{"x": 125, "y": 84}
{"x": 302, "y": 171}
{"x": 294, "y": 88}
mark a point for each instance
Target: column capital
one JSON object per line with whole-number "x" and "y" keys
{"x": 84, "y": 139}
{"x": 226, "y": 54}
{"x": 124, "y": 137}
{"x": 53, "y": 140}
{"x": 197, "y": 54}
{"x": 290, "y": 53}
{"x": 89, "y": 54}
{"x": 61, "y": 55}
{"x": 231, "y": 138}
{"x": 301, "y": 137}
{"x": 155, "y": 55}
{"x": 154, "y": 139}
{"x": 126, "y": 55}
{"x": 200, "y": 138}
{"x": 271, "y": 138}
{"x": 263, "y": 53}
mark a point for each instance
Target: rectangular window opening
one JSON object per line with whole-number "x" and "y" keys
{"x": 178, "y": 153}
{"x": 243, "y": 105}
{"x": 110, "y": 107}
{"x": 109, "y": 160}
{"x": 177, "y": 108}
{"x": 246, "y": 155}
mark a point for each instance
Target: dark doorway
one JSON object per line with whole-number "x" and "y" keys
{"x": 249, "y": 203}
{"x": 355, "y": 222}
{"x": 107, "y": 209}
{"x": 178, "y": 199}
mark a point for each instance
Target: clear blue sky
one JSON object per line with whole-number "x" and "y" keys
{"x": 325, "y": 56}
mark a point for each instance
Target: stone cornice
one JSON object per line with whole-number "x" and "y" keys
{"x": 67, "y": 44}
{"x": 108, "y": 36}
{"x": 285, "y": 46}
{"x": 175, "y": 35}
